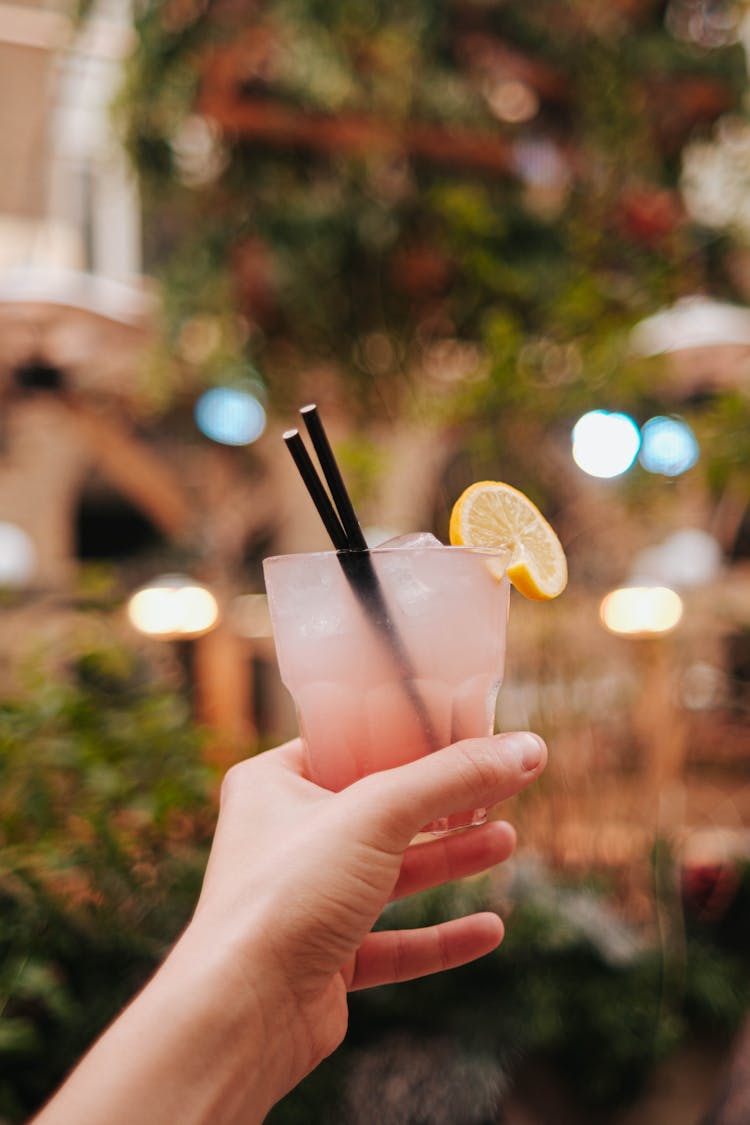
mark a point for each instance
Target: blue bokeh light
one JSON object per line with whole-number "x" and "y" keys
{"x": 668, "y": 446}
{"x": 605, "y": 443}
{"x": 230, "y": 416}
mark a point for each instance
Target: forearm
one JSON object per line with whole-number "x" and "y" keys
{"x": 199, "y": 1045}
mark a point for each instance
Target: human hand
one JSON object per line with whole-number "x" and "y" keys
{"x": 253, "y": 995}
{"x": 298, "y": 876}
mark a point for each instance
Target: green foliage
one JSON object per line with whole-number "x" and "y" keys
{"x": 382, "y": 241}
{"x": 105, "y": 813}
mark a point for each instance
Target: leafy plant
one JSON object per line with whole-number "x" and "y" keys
{"x": 106, "y": 808}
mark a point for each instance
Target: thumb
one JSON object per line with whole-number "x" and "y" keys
{"x": 474, "y": 773}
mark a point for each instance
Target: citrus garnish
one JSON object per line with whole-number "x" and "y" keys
{"x": 496, "y": 515}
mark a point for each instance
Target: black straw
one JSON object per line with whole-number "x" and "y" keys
{"x": 319, "y": 496}
{"x": 332, "y": 473}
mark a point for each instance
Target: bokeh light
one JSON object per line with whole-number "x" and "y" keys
{"x": 641, "y": 611}
{"x": 230, "y": 416}
{"x": 687, "y": 559}
{"x": 605, "y": 443}
{"x": 17, "y": 556}
{"x": 512, "y": 101}
{"x": 707, "y": 25}
{"x": 697, "y": 321}
{"x": 173, "y": 607}
{"x": 197, "y": 151}
{"x": 668, "y": 446}
{"x": 703, "y": 686}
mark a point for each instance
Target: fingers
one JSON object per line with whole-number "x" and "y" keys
{"x": 399, "y": 955}
{"x": 454, "y": 857}
{"x": 478, "y": 772}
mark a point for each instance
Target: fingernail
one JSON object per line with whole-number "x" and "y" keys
{"x": 530, "y": 749}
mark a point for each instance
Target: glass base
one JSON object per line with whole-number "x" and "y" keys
{"x": 444, "y": 825}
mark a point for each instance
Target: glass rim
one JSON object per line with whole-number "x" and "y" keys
{"x": 489, "y": 552}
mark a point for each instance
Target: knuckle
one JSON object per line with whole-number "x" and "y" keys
{"x": 380, "y": 805}
{"x": 480, "y": 768}
{"x": 235, "y": 780}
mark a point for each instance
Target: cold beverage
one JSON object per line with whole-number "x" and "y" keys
{"x": 380, "y": 683}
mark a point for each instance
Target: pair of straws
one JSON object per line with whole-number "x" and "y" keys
{"x": 340, "y": 521}
{"x": 342, "y": 525}
{"x": 345, "y": 532}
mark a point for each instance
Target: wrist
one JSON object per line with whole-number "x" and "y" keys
{"x": 255, "y": 985}
{"x": 202, "y": 1044}
{"x": 247, "y": 1055}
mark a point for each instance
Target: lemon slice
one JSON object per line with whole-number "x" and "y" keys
{"x": 496, "y": 515}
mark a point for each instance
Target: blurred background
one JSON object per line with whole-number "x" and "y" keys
{"x": 491, "y": 240}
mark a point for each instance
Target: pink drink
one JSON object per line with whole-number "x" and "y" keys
{"x": 366, "y": 704}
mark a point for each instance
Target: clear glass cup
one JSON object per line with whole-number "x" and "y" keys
{"x": 390, "y": 656}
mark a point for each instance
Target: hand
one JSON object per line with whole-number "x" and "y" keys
{"x": 253, "y": 995}
{"x": 299, "y": 875}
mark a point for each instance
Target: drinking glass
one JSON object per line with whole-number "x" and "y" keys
{"x": 389, "y": 663}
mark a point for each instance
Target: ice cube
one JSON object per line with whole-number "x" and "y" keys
{"x": 415, "y": 540}
{"x": 313, "y": 603}
{"x": 326, "y": 622}
{"x": 404, "y": 578}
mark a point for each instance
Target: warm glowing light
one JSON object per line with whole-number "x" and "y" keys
{"x": 17, "y": 556}
{"x": 605, "y": 443}
{"x": 230, "y": 416}
{"x": 641, "y": 611}
{"x": 512, "y": 101}
{"x": 668, "y": 446}
{"x": 173, "y": 607}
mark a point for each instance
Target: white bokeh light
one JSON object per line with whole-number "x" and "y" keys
{"x": 605, "y": 443}
{"x": 18, "y": 559}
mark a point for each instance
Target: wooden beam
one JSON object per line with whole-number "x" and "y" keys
{"x": 272, "y": 123}
{"x": 267, "y": 120}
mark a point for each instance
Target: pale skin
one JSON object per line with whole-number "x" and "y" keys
{"x": 254, "y": 993}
